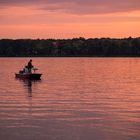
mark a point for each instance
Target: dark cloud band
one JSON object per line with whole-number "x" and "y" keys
{"x": 78, "y": 6}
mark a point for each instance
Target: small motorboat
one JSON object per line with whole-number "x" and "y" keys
{"x": 30, "y": 76}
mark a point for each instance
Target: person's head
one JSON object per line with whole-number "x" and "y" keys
{"x": 30, "y": 60}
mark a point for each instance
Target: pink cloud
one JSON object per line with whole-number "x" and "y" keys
{"x": 78, "y": 6}
{"x": 62, "y": 18}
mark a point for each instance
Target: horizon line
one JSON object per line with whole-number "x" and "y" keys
{"x": 80, "y": 37}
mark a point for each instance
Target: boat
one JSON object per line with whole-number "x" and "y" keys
{"x": 30, "y": 76}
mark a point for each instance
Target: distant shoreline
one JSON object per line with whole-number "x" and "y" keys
{"x": 76, "y": 47}
{"x": 125, "y": 56}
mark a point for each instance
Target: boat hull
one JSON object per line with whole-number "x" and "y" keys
{"x": 30, "y": 76}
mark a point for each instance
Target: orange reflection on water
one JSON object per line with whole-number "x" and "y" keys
{"x": 77, "y": 94}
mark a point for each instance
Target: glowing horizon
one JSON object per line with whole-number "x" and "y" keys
{"x": 61, "y": 19}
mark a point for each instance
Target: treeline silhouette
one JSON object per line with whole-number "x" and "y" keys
{"x": 105, "y": 47}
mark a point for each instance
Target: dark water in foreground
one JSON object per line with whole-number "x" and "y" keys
{"x": 77, "y": 99}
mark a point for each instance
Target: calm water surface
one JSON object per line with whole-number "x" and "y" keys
{"x": 77, "y": 99}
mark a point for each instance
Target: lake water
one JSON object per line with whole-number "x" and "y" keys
{"x": 76, "y": 99}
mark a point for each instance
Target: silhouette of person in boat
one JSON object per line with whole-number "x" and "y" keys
{"x": 26, "y": 73}
{"x": 26, "y": 70}
{"x": 30, "y": 66}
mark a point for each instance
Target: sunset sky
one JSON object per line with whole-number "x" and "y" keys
{"x": 69, "y": 18}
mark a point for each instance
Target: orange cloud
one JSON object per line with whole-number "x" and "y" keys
{"x": 52, "y": 20}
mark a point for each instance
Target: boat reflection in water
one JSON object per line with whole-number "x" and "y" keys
{"x": 29, "y": 85}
